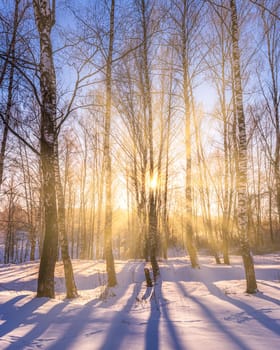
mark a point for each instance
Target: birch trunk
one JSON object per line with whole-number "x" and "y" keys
{"x": 242, "y": 159}
{"x": 44, "y": 17}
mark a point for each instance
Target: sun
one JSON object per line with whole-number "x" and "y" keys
{"x": 153, "y": 181}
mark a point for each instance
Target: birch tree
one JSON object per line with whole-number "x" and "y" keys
{"x": 242, "y": 219}
{"x": 45, "y": 19}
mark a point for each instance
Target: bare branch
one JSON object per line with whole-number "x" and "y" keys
{"x": 22, "y": 139}
{"x": 264, "y": 8}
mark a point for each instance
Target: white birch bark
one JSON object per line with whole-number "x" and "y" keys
{"x": 242, "y": 159}
{"x": 44, "y": 18}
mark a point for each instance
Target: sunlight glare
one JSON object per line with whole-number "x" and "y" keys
{"x": 154, "y": 181}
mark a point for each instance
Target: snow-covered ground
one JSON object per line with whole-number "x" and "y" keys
{"x": 187, "y": 309}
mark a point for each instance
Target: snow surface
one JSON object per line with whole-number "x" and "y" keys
{"x": 187, "y": 309}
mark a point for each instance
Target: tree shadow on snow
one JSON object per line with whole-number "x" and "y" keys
{"x": 159, "y": 313}
{"x": 269, "y": 284}
{"x": 152, "y": 330}
{"x": 248, "y": 310}
{"x": 19, "y": 284}
{"x": 120, "y": 324}
{"x": 176, "y": 343}
{"x": 28, "y": 315}
{"x": 207, "y": 275}
{"x": 75, "y": 324}
{"x": 86, "y": 319}
{"x": 268, "y": 298}
{"x": 213, "y": 319}
{"x": 14, "y": 316}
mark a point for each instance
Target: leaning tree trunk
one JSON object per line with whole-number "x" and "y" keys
{"x": 242, "y": 159}
{"x": 44, "y": 17}
{"x": 110, "y": 266}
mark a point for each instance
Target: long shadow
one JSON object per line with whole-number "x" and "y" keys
{"x": 7, "y": 309}
{"x": 268, "y": 298}
{"x": 214, "y": 320}
{"x": 172, "y": 330}
{"x": 208, "y": 272}
{"x": 18, "y": 284}
{"x": 7, "y": 306}
{"x": 269, "y": 285}
{"x": 124, "y": 278}
{"x": 152, "y": 330}
{"x": 266, "y": 274}
{"x": 115, "y": 334}
{"x": 12, "y": 274}
{"x": 258, "y": 315}
{"x": 75, "y": 325}
{"x": 18, "y": 315}
{"x": 29, "y": 286}
{"x": 5, "y": 269}
{"x": 204, "y": 276}
{"x": 158, "y": 309}
{"x": 42, "y": 322}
